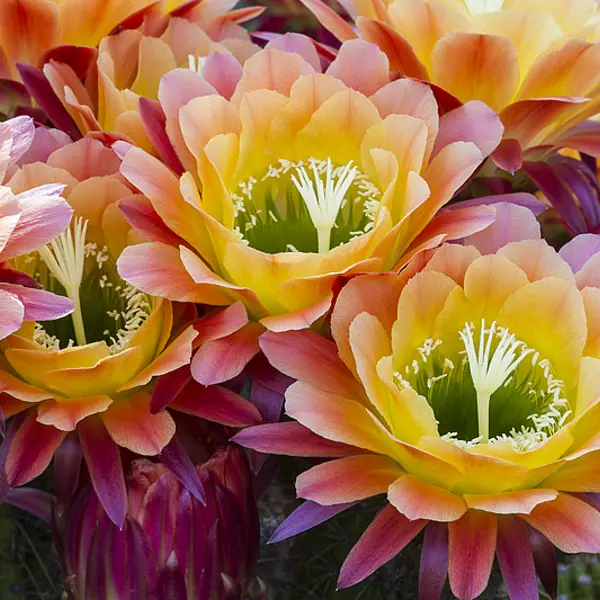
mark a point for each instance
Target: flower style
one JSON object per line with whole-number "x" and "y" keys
{"x": 304, "y": 177}
{"x": 469, "y": 395}
{"x": 532, "y": 62}
{"x": 28, "y": 220}
{"x": 171, "y": 545}
{"x": 29, "y": 28}
{"x": 130, "y": 65}
{"x": 92, "y": 371}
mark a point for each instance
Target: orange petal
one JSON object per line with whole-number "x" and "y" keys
{"x": 579, "y": 475}
{"x": 509, "y": 502}
{"x": 591, "y": 301}
{"x": 131, "y": 425}
{"x": 65, "y": 414}
{"x": 347, "y": 479}
{"x": 417, "y": 499}
{"x": 476, "y": 67}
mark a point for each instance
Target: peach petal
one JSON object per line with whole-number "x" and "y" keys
{"x": 300, "y": 44}
{"x": 347, "y": 479}
{"x": 463, "y": 64}
{"x": 537, "y": 259}
{"x": 131, "y": 425}
{"x": 65, "y": 414}
{"x": 417, "y": 499}
{"x": 581, "y": 474}
{"x": 509, "y": 502}
{"x": 330, "y": 20}
{"x": 298, "y": 319}
{"x": 591, "y": 301}
{"x": 453, "y": 260}
{"x": 589, "y": 275}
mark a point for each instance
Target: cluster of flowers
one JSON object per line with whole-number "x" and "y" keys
{"x": 201, "y": 227}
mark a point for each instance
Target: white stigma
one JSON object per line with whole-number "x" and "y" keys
{"x": 324, "y": 201}
{"x": 196, "y": 64}
{"x": 480, "y": 7}
{"x": 490, "y": 372}
{"x": 65, "y": 259}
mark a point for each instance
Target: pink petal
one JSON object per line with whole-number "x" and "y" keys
{"x": 291, "y": 439}
{"x": 472, "y": 542}
{"x": 222, "y": 324}
{"x": 223, "y": 359}
{"x": 39, "y": 304}
{"x": 44, "y": 216}
{"x": 385, "y": 537}
{"x": 21, "y": 131}
{"x": 473, "y": 122}
{"x": 223, "y": 72}
{"x": 544, "y": 557}
{"x": 45, "y": 142}
{"x": 12, "y": 312}
{"x": 515, "y": 558}
{"x": 31, "y": 450}
{"x": 361, "y": 66}
{"x": 580, "y": 249}
{"x": 103, "y": 459}
{"x": 330, "y": 20}
{"x": 508, "y": 156}
{"x": 300, "y": 44}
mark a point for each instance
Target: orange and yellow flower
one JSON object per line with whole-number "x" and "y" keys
{"x": 90, "y": 372}
{"x": 296, "y": 177}
{"x": 130, "y": 66}
{"x": 469, "y": 396}
{"x": 533, "y": 62}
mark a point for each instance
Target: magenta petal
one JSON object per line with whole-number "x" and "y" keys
{"x": 67, "y": 467}
{"x": 544, "y": 557}
{"x": 41, "y": 90}
{"x": 168, "y": 387}
{"x": 515, "y": 558}
{"x": 140, "y": 214}
{"x": 39, "y": 304}
{"x": 103, "y": 459}
{"x": 291, "y": 439}
{"x": 171, "y": 584}
{"x": 580, "y": 249}
{"x": 218, "y": 404}
{"x": 385, "y": 537}
{"x": 177, "y": 460}
{"x": 268, "y": 402}
{"x": 35, "y": 502}
{"x": 473, "y": 122}
{"x": 154, "y": 121}
{"x": 308, "y": 515}
{"x": 434, "y": 562}
{"x": 18, "y": 278}
{"x": 12, "y": 312}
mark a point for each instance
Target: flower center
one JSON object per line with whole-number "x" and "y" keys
{"x": 105, "y": 307}
{"x": 480, "y": 7}
{"x": 305, "y": 206}
{"x": 494, "y": 390}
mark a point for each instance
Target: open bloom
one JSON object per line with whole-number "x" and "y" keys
{"x": 28, "y": 220}
{"x": 29, "y": 28}
{"x": 296, "y": 177}
{"x": 90, "y": 371}
{"x": 130, "y": 65}
{"x": 469, "y": 396}
{"x": 532, "y": 62}
{"x": 171, "y": 545}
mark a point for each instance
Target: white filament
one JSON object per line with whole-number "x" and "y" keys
{"x": 324, "y": 200}
{"x": 65, "y": 259}
{"x": 490, "y": 372}
{"x": 479, "y": 7}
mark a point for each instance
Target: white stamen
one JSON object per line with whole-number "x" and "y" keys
{"x": 65, "y": 259}
{"x": 323, "y": 201}
{"x": 480, "y": 7}
{"x": 196, "y": 64}
{"x": 489, "y": 373}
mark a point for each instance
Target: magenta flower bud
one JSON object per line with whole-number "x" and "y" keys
{"x": 172, "y": 547}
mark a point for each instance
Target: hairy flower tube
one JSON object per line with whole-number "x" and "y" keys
{"x": 28, "y": 219}
{"x": 296, "y": 177}
{"x": 171, "y": 545}
{"x": 533, "y": 62}
{"x": 91, "y": 371}
{"x": 469, "y": 396}
{"x": 129, "y": 66}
